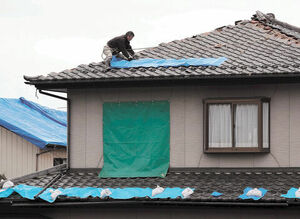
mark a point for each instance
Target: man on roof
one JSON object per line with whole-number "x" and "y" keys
{"x": 120, "y": 47}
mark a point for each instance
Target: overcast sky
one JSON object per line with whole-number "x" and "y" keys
{"x": 42, "y": 36}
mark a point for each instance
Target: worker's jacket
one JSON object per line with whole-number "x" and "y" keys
{"x": 120, "y": 44}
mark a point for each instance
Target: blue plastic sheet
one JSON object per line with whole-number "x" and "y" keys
{"x": 290, "y": 193}
{"x": 46, "y": 195}
{"x": 244, "y": 196}
{"x": 117, "y": 193}
{"x": 170, "y": 193}
{"x": 30, "y": 192}
{"x": 55, "y": 115}
{"x": 27, "y": 191}
{"x": 128, "y": 193}
{"x": 72, "y": 192}
{"x": 82, "y": 192}
{"x": 5, "y": 193}
{"x": 120, "y": 63}
{"x": 37, "y": 124}
{"x": 216, "y": 194}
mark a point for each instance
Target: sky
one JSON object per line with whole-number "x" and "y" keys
{"x": 43, "y": 36}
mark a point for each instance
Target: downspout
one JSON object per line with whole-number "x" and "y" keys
{"x": 68, "y": 121}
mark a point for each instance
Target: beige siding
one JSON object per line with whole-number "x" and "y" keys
{"x": 186, "y": 142}
{"x": 18, "y": 156}
{"x": 78, "y": 126}
{"x": 45, "y": 160}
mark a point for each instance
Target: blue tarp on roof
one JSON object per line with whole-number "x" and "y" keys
{"x": 38, "y": 124}
{"x": 120, "y": 63}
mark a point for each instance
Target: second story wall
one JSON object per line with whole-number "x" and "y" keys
{"x": 186, "y": 132}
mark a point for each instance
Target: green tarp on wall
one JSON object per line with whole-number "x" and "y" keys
{"x": 136, "y": 139}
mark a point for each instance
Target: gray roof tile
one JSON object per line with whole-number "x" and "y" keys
{"x": 230, "y": 182}
{"x": 259, "y": 42}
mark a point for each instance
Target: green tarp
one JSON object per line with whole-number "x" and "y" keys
{"x": 136, "y": 139}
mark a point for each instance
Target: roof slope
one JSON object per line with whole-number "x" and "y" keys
{"x": 260, "y": 46}
{"x": 229, "y": 181}
{"x": 37, "y": 124}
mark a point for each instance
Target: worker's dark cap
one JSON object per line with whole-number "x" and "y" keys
{"x": 129, "y": 33}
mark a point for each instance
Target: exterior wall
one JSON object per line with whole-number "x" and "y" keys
{"x": 18, "y": 156}
{"x": 186, "y": 143}
{"x": 45, "y": 160}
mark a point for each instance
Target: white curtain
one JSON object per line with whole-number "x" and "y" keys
{"x": 246, "y": 123}
{"x": 265, "y": 125}
{"x": 220, "y": 133}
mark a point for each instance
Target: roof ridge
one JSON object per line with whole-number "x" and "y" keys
{"x": 270, "y": 20}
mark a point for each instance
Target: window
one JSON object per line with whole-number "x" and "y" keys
{"x": 237, "y": 125}
{"x": 58, "y": 161}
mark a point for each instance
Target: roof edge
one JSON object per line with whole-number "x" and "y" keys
{"x": 170, "y": 81}
{"x": 54, "y": 169}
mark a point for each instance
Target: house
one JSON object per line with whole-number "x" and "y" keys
{"x": 224, "y": 129}
{"x": 28, "y": 142}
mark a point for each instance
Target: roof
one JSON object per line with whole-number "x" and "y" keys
{"x": 37, "y": 124}
{"x": 260, "y": 47}
{"x": 229, "y": 181}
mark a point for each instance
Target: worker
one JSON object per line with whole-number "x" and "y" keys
{"x": 118, "y": 45}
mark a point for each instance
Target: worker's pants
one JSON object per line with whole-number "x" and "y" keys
{"x": 108, "y": 52}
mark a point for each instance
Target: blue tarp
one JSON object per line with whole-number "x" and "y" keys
{"x": 27, "y": 191}
{"x": 290, "y": 193}
{"x": 246, "y": 190}
{"x": 116, "y": 193}
{"x": 30, "y": 192}
{"x": 120, "y": 63}
{"x": 37, "y": 124}
{"x": 216, "y": 194}
{"x": 4, "y": 193}
{"x": 23, "y": 190}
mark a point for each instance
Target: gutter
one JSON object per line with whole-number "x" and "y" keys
{"x": 68, "y": 122}
{"x": 150, "y": 203}
{"x": 146, "y": 81}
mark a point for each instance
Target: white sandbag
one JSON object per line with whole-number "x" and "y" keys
{"x": 105, "y": 192}
{"x": 7, "y": 184}
{"x": 297, "y": 193}
{"x": 254, "y": 192}
{"x": 54, "y": 193}
{"x": 157, "y": 190}
{"x": 187, "y": 192}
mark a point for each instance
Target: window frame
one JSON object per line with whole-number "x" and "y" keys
{"x": 234, "y": 101}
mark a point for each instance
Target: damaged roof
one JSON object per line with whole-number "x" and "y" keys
{"x": 262, "y": 46}
{"x": 229, "y": 181}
